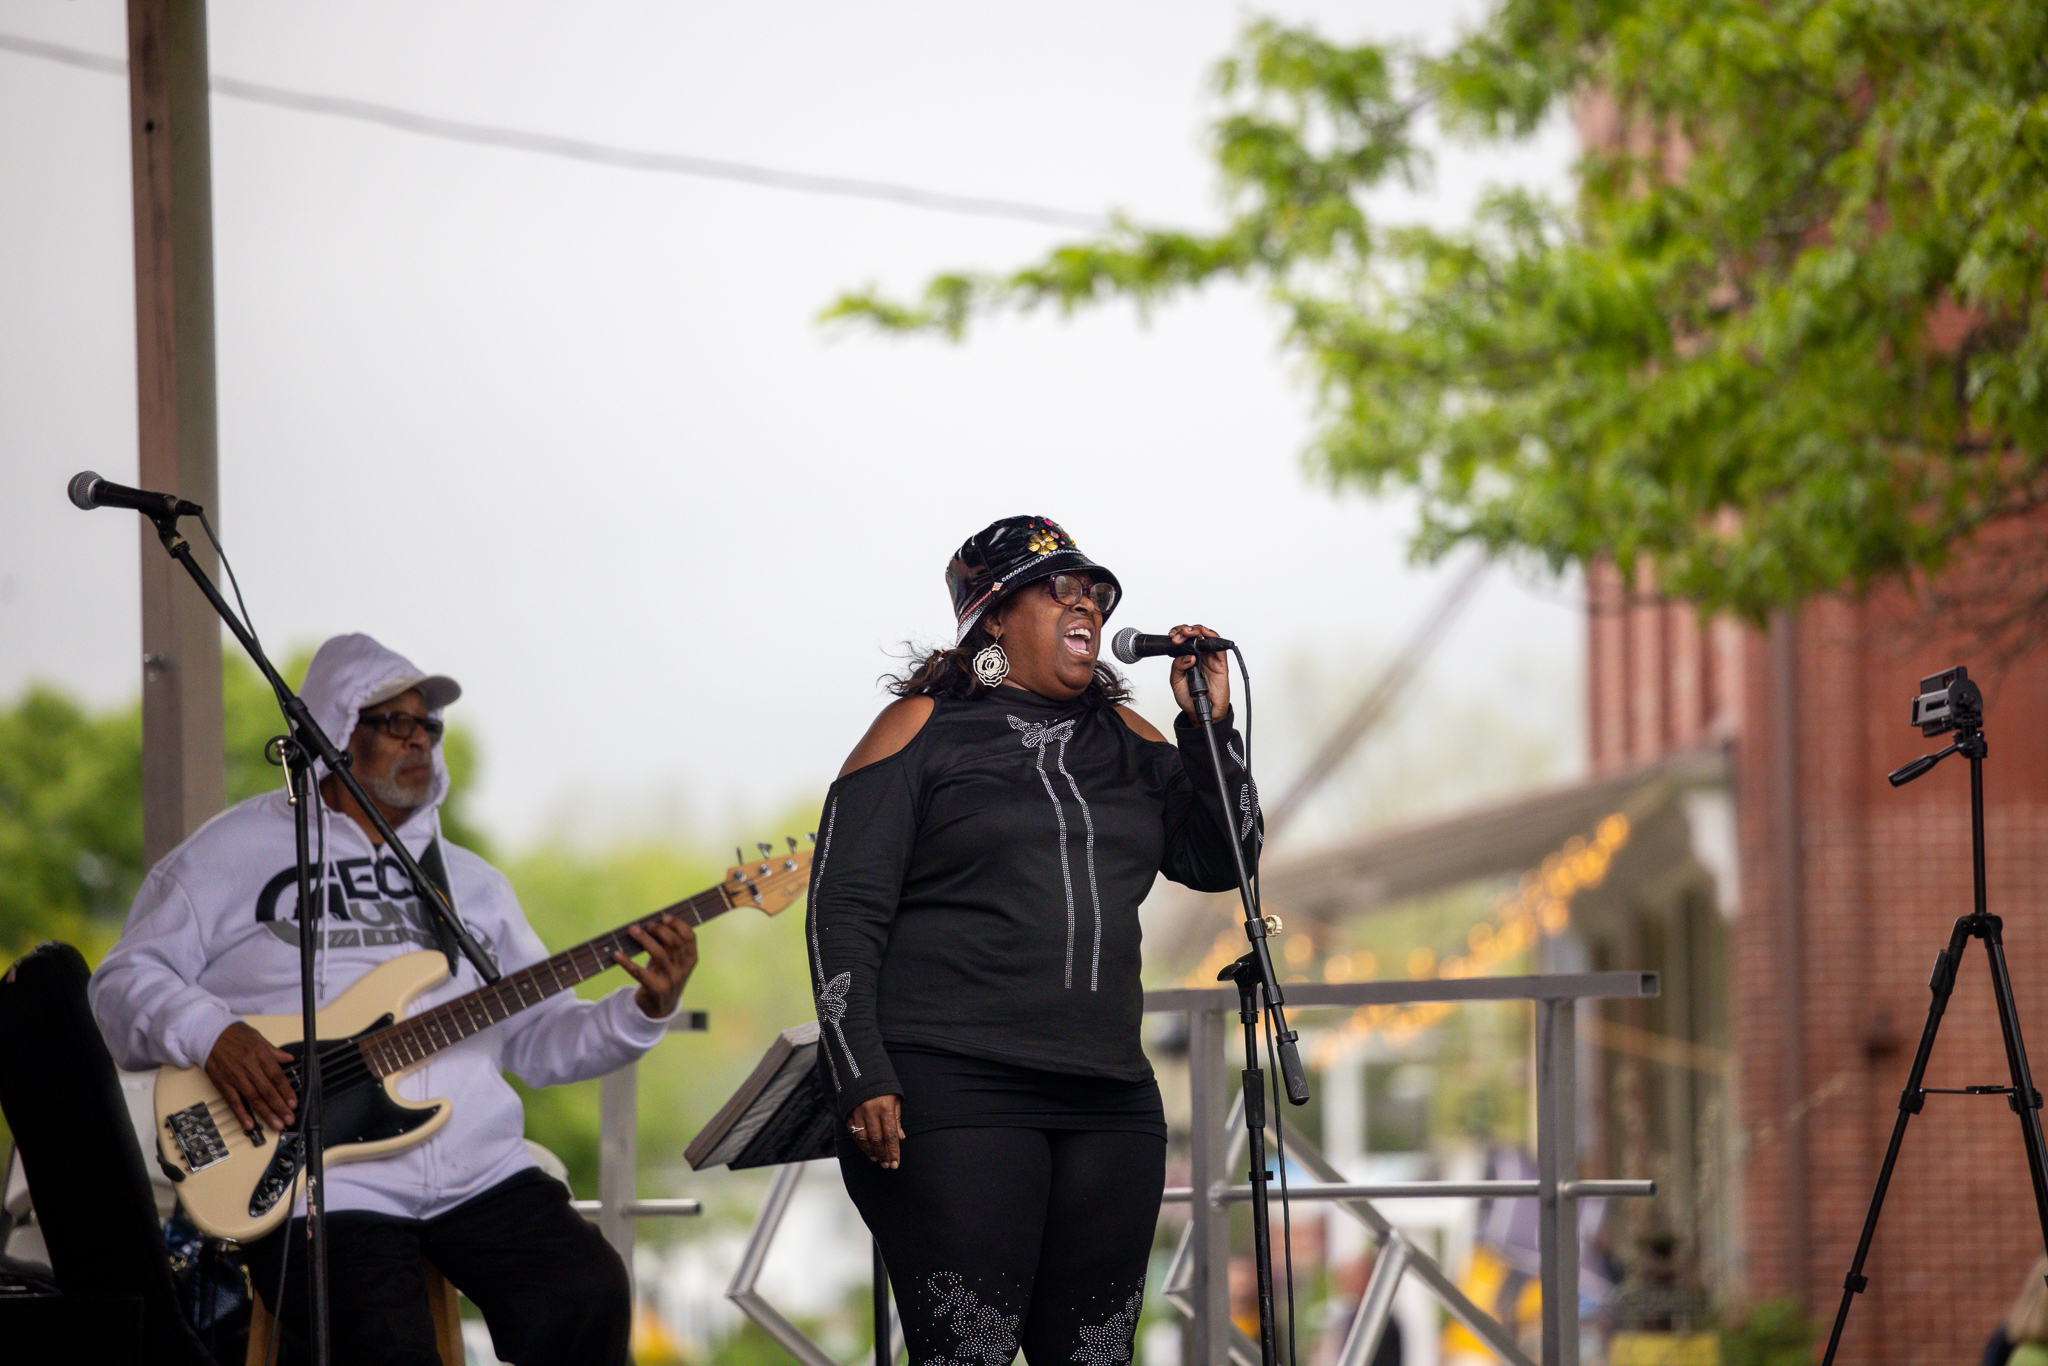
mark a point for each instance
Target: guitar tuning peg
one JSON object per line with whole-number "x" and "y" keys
{"x": 765, "y": 848}
{"x": 737, "y": 856}
{"x": 812, "y": 836}
{"x": 792, "y": 842}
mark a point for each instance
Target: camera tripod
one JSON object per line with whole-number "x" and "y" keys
{"x": 1950, "y": 701}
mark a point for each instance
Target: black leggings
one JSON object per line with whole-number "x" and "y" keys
{"x": 997, "y": 1239}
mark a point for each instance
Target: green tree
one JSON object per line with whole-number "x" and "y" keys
{"x": 70, "y": 821}
{"x": 1789, "y": 338}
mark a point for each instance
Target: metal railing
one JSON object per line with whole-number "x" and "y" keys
{"x": 617, "y": 1208}
{"x": 1197, "y": 1282}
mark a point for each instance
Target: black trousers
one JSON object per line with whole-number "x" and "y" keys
{"x": 552, "y": 1290}
{"x": 997, "y": 1239}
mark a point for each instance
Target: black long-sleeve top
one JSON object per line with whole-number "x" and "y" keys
{"x": 977, "y": 892}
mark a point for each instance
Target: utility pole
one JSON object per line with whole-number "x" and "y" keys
{"x": 183, "y": 766}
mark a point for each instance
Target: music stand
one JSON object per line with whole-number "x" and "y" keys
{"x": 781, "y": 1116}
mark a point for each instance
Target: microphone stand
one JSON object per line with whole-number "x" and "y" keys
{"x": 299, "y": 750}
{"x": 1253, "y": 973}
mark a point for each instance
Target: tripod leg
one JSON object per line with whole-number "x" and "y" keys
{"x": 2026, "y": 1101}
{"x": 1910, "y": 1100}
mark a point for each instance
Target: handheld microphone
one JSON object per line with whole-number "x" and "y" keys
{"x": 89, "y": 491}
{"x": 1130, "y": 645}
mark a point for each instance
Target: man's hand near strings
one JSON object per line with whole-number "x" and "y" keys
{"x": 248, "y": 1070}
{"x": 671, "y": 946}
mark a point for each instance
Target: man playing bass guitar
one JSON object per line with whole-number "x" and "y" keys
{"x": 213, "y": 937}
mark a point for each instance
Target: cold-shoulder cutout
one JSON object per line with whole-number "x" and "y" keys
{"x": 898, "y": 724}
{"x": 1144, "y": 729}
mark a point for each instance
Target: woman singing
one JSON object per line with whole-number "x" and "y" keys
{"x": 973, "y": 931}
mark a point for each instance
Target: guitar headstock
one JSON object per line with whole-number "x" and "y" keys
{"x": 770, "y": 882}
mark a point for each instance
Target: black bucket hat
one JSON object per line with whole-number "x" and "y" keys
{"x": 1006, "y": 555}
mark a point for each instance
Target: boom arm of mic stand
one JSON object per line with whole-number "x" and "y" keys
{"x": 1254, "y": 924}
{"x": 306, "y": 731}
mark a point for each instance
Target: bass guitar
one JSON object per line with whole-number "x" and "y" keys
{"x": 240, "y": 1184}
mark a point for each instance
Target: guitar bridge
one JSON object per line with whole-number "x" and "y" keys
{"x": 197, "y": 1136}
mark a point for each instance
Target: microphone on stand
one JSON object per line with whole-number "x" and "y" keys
{"x": 1131, "y": 645}
{"x": 89, "y": 491}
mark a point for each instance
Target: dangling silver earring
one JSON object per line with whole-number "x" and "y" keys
{"x": 991, "y": 665}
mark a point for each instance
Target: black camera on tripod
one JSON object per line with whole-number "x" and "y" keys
{"x": 1948, "y": 701}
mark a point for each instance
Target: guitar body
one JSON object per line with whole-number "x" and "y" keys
{"x": 241, "y": 1187}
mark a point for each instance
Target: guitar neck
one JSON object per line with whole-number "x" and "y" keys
{"x": 420, "y": 1036}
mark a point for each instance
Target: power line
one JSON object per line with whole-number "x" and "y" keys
{"x": 575, "y": 149}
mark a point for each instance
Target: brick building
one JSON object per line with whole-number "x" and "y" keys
{"x": 1792, "y": 903}
{"x": 1763, "y": 1087}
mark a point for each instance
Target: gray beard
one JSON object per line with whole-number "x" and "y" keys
{"x": 393, "y": 793}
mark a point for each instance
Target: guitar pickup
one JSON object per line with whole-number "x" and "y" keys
{"x": 196, "y": 1136}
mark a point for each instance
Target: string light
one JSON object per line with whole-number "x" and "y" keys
{"x": 1537, "y": 907}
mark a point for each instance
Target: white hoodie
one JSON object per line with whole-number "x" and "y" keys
{"x": 213, "y": 935}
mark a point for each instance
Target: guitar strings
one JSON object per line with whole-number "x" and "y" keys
{"x": 347, "y": 1063}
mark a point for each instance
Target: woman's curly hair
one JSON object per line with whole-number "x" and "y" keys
{"x": 949, "y": 672}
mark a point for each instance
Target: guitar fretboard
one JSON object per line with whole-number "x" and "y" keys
{"x": 420, "y": 1036}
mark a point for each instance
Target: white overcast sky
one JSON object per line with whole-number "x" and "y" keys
{"x": 572, "y": 434}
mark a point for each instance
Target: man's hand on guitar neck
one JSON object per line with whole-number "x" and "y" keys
{"x": 671, "y": 946}
{"x": 249, "y": 1071}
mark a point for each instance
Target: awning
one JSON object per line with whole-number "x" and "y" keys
{"x": 1385, "y": 868}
